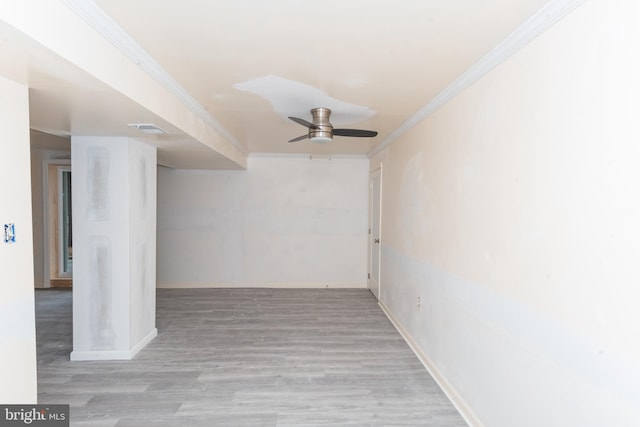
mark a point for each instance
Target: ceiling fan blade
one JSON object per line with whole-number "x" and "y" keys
{"x": 355, "y": 132}
{"x": 303, "y": 122}
{"x": 300, "y": 138}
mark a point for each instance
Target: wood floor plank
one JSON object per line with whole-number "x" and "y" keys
{"x": 263, "y": 357}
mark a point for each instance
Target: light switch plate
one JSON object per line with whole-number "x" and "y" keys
{"x": 9, "y": 233}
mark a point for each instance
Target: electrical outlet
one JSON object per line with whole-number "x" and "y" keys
{"x": 419, "y": 302}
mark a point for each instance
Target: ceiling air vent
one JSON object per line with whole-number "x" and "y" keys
{"x": 148, "y": 128}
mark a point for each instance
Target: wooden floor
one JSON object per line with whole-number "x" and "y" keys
{"x": 249, "y": 357}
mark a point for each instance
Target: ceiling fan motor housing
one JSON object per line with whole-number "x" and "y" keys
{"x": 322, "y": 130}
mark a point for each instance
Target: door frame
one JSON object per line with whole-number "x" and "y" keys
{"x": 60, "y": 249}
{"x": 51, "y": 171}
{"x": 373, "y": 246}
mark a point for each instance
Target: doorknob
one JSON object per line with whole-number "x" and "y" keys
{"x": 376, "y": 241}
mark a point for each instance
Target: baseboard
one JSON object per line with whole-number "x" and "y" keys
{"x": 82, "y": 355}
{"x": 61, "y": 283}
{"x": 297, "y": 285}
{"x": 85, "y": 355}
{"x": 143, "y": 342}
{"x": 451, "y": 393}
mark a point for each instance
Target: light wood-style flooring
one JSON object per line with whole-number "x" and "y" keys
{"x": 246, "y": 357}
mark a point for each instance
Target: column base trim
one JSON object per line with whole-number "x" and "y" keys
{"x": 84, "y": 355}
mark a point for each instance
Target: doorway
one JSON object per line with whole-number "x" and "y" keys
{"x": 60, "y": 226}
{"x": 375, "y": 205}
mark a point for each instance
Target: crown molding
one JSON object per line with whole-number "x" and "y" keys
{"x": 111, "y": 31}
{"x": 542, "y": 20}
{"x": 309, "y": 156}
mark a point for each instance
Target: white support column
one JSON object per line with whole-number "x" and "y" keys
{"x": 114, "y": 247}
{"x": 18, "y": 379}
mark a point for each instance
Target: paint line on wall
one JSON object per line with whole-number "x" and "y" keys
{"x": 292, "y": 98}
{"x": 605, "y": 369}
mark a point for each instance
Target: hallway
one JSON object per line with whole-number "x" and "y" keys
{"x": 269, "y": 357}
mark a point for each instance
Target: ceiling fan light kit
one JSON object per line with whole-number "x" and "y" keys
{"x": 321, "y": 130}
{"x": 320, "y": 139}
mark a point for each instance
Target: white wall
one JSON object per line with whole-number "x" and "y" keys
{"x": 17, "y": 315}
{"x": 513, "y": 212}
{"x": 142, "y": 242}
{"x": 283, "y": 222}
{"x": 114, "y": 205}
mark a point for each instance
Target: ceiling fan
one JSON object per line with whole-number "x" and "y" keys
{"x": 321, "y": 130}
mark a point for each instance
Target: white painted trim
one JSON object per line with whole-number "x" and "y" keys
{"x": 378, "y": 172}
{"x": 79, "y": 355}
{"x": 144, "y": 341}
{"x": 542, "y": 20}
{"x": 308, "y": 156}
{"x": 296, "y": 285}
{"x": 61, "y": 134}
{"x": 112, "y": 32}
{"x": 458, "y": 402}
{"x": 46, "y": 278}
{"x": 59, "y": 175}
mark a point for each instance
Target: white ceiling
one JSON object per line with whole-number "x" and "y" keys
{"x": 251, "y": 64}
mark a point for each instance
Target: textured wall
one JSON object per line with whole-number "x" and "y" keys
{"x": 283, "y": 222}
{"x": 512, "y": 213}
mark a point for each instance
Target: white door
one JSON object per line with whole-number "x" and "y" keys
{"x": 374, "y": 233}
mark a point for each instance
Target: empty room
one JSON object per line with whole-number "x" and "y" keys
{"x": 344, "y": 213}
